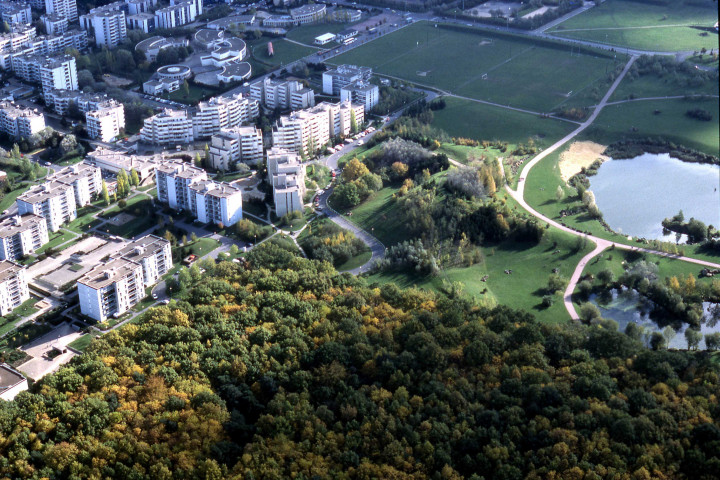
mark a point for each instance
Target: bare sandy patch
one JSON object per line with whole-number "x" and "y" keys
{"x": 580, "y": 155}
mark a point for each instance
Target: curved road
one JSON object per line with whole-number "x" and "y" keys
{"x": 600, "y": 243}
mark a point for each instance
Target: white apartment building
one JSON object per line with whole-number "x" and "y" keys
{"x": 178, "y": 13}
{"x": 282, "y": 94}
{"x": 362, "y": 93}
{"x": 55, "y": 201}
{"x": 157, "y": 87}
{"x": 170, "y": 127}
{"x": 106, "y": 122}
{"x": 65, "y": 8}
{"x": 21, "y": 235}
{"x": 112, "y": 161}
{"x": 287, "y": 175}
{"x": 109, "y": 26}
{"x": 335, "y": 79}
{"x": 55, "y": 24}
{"x": 111, "y": 289}
{"x": 303, "y": 132}
{"x": 153, "y": 254}
{"x": 85, "y": 179}
{"x": 20, "y": 122}
{"x": 216, "y": 202}
{"x": 223, "y": 112}
{"x": 306, "y": 131}
{"x": 15, "y": 13}
{"x": 173, "y": 179}
{"x": 186, "y": 187}
{"x": 54, "y": 72}
{"x": 140, "y": 6}
{"x": 13, "y": 287}
{"x": 12, "y": 382}
{"x": 141, "y": 21}
{"x": 236, "y": 144}
{"x": 86, "y": 102}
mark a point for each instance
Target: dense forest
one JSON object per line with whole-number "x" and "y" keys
{"x": 283, "y": 368}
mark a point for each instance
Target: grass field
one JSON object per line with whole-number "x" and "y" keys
{"x": 57, "y": 238}
{"x": 9, "y": 198}
{"x": 676, "y": 26}
{"x": 617, "y": 121}
{"x": 648, "y": 86}
{"x": 132, "y": 228}
{"x": 285, "y": 52}
{"x": 195, "y": 94}
{"x": 306, "y": 33}
{"x": 465, "y": 118}
{"x": 83, "y": 342}
{"x": 523, "y": 288}
{"x": 456, "y": 60}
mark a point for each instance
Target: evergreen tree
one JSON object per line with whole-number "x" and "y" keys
{"x": 134, "y": 179}
{"x": 353, "y": 122}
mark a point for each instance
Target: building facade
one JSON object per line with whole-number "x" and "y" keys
{"x": 64, "y": 8}
{"x": 106, "y": 122}
{"x": 170, "y": 127}
{"x": 111, "y": 289}
{"x": 286, "y": 174}
{"x": 223, "y": 112}
{"x": 362, "y": 93}
{"x": 153, "y": 253}
{"x": 236, "y": 144}
{"x": 20, "y": 122}
{"x": 109, "y": 26}
{"x": 85, "y": 180}
{"x": 335, "y": 79}
{"x": 282, "y": 94}
{"x": 21, "y": 235}
{"x": 312, "y": 12}
{"x": 55, "y": 201}
{"x": 13, "y": 287}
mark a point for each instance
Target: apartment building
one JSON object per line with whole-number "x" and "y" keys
{"x": 173, "y": 179}
{"x": 186, "y": 187}
{"x": 152, "y": 253}
{"x": 335, "y": 79}
{"x": 13, "y": 287}
{"x": 53, "y": 200}
{"x": 112, "y": 161}
{"x": 286, "y": 174}
{"x": 15, "y": 13}
{"x": 282, "y": 94}
{"x": 85, "y": 179}
{"x": 158, "y": 87}
{"x": 136, "y": 7}
{"x": 42, "y": 45}
{"x": 170, "y": 127}
{"x": 362, "y": 93}
{"x": 85, "y": 102}
{"x": 21, "y": 235}
{"x": 65, "y": 8}
{"x": 223, "y": 112}
{"x": 109, "y": 26}
{"x": 304, "y": 131}
{"x": 106, "y": 122}
{"x": 55, "y": 24}
{"x": 141, "y": 21}
{"x": 52, "y": 72}
{"x": 236, "y": 144}
{"x": 216, "y": 202}
{"x": 178, "y": 13}
{"x": 20, "y": 122}
{"x": 111, "y": 289}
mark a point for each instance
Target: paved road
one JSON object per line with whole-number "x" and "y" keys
{"x": 601, "y": 243}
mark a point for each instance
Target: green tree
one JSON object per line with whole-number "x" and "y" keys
{"x": 134, "y": 179}
{"x": 104, "y": 193}
{"x": 559, "y": 193}
{"x": 693, "y": 338}
{"x": 186, "y": 89}
{"x": 353, "y": 122}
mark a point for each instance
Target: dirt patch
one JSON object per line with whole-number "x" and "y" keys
{"x": 422, "y": 74}
{"x": 485, "y": 42}
{"x": 121, "y": 219}
{"x": 115, "y": 81}
{"x": 579, "y": 155}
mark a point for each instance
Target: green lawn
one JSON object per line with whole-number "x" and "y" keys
{"x": 667, "y": 85}
{"x": 195, "y": 94}
{"x": 81, "y": 343}
{"x": 465, "y": 118}
{"x": 27, "y": 308}
{"x": 9, "y": 198}
{"x": 676, "y": 25}
{"x": 355, "y": 262}
{"x": 523, "y": 288}
{"x": 617, "y": 121}
{"x": 132, "y": 228}
{"x": 285, "y": 52}
{"x": 61, "y": 236}
{"x": 521, "y": 71}
{"x": 71, "y": 161}
{"x": 85, "y": 221}
{"x": 131, "y": 202}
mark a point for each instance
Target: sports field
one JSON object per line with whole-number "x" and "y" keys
{"x": 465, "y": 118}
{"x": 672, "y": 25}
{"x": 508, "y": 70}
{"x": 284, "y": 52}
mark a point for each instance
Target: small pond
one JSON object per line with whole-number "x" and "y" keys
{"x": 635, "y": 195}
{"x": 628, "y": 306}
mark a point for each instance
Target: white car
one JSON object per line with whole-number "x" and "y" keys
{"x": 154, "y": 296}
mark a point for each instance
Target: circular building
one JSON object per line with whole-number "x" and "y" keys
{"x": 174, "y": 72}
{"x": 208, "y": 38}
{"x": 235, "y": 72}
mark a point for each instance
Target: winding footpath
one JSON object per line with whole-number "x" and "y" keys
{"x": 600, "y": 243}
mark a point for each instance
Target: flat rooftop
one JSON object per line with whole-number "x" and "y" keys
{"x": 108, "y": 273}
{"x": 144, "y": 247}
{"x": 216, "y": 189}
{"x": 40, "y": 193}
{"x": 8, "y": 270}
{"x": 9, "y": 378}
{"x": 10, "y": 226}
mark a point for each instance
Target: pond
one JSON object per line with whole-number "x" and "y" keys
{"x": 635, "y": 195}
{"x": 628, "y": 306}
